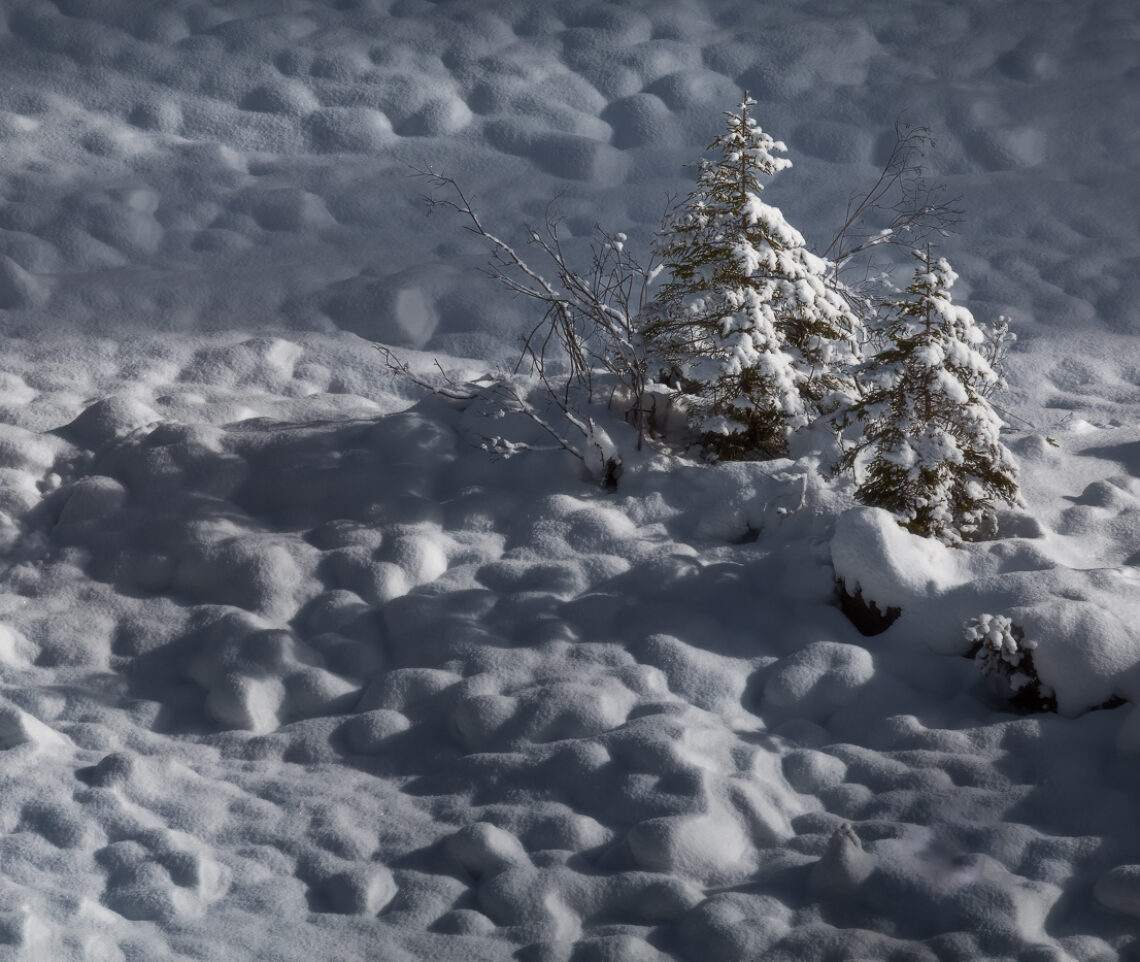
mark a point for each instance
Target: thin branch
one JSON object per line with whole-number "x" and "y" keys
{"x": 913, "y": 207}
{"x": 593, "y": 320}
{"x": 524, "y": 407}
{"x": 397, "y": 366}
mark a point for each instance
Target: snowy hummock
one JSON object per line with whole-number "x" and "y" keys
{"x": 291, "y": 668}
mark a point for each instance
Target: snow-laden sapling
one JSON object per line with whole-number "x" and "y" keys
{"x": 748, "y": 321}
{"x": 1003, "y": 653}
{"x": 930, "y": 450}
{"x": 998, "y": 339}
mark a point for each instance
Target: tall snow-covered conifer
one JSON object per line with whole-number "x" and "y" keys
{"x": 936, "y": 459}
{"x": 747, "y": 316}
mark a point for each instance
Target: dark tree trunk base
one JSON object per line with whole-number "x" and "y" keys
{"x": 865, "y": 615}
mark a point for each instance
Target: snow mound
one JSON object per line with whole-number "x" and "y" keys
{"x": 359, "y": 891}
{"x": 484, "y": 849}
{"x": 1119, "y": 890}
{"x": 19, "y": 288}
{"x": 729, "y": 926}
{"x": 1081, "y": 620}
{"x": 161, "y": 877}
{"x": 339, "y": 130}
{"x": 24, "y": 734}
{"x": 107, "y": 421}
{"x": 707, "y": 848}
{"x": 817, "y": 679}
{"x": 892, "y": 567}
{"x": 15, "y": 649}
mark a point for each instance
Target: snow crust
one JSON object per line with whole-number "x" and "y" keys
{"x": 291, "y": 669}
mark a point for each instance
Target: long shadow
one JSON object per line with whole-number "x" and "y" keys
{"x": 1127, "y": 455}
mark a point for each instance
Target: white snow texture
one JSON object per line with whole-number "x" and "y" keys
{"x": 291, "y": 669}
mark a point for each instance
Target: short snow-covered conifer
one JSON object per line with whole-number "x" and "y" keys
{"x": 747, "y": 317}
{"x": 935, "y": 457}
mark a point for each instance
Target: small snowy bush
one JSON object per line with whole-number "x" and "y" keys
{"x": 589, "y": 344}
{"x": 1003, "y": 653}
{"x": 998, "y": 340}
{"x": 936, "y": 459}
{"x": 749, "y": 322}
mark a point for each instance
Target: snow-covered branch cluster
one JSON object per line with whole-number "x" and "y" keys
{"x": 1005, "y": 655}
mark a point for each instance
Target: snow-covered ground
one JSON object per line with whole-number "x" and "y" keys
{"x": 290, "y": 669}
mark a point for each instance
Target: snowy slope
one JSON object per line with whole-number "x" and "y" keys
{"x": 290, "y": 669}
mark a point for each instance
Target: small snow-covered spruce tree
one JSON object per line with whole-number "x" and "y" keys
{"x": 747, "y": 319}
{"x": 935, "y": 457}
{"x": 1003, "y": 654}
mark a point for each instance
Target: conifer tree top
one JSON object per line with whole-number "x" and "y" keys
{"x": 746, "y": 148}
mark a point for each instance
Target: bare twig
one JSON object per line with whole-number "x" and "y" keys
{"x": 906, "y": 206}
{"x": 592, "y": 319}
{"x": 519, "y": 405}
{"x": 506, "y": 398}
{"x": 453, "y": 390}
